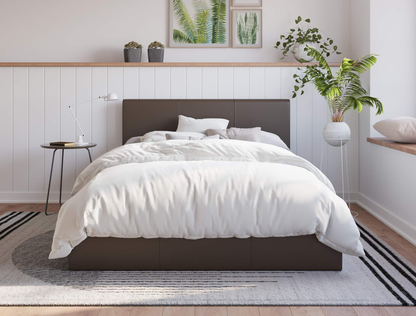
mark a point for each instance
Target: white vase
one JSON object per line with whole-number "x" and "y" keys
{"x": 299, "y": 53}
{"x": 337, "y": 132}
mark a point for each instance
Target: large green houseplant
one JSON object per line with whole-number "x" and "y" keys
{"x": 343, "y": 91}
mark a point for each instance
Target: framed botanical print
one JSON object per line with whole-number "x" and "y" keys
{"x": 202, "y": 23}
{"x": 246, "y": 3}
{"x": 247, "y": 29}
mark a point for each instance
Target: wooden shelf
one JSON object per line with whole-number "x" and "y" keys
{"x": 407, "y": 148}
{"x": 167, "y": 64}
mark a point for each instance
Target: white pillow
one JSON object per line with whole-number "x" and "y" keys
{"x": 181, "y": 136}
{"x": 158, "y": 136}
{"x": 400, "y": 129}
{"x": 189, "y": 124}
{"x": 272, "y": 139}
{"x": 247, "y": 134}
{"x": 133, "y": 140}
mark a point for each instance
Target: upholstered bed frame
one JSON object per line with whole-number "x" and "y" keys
{"x": 283, "y": 253}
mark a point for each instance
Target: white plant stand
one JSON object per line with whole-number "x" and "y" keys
{"x": 344, "y": 166}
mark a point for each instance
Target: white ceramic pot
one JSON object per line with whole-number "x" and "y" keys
{"x": 337, "y": 132}
{"x": 299, "y": 53}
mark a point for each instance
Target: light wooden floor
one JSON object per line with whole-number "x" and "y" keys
{"x": 400, "y": 244}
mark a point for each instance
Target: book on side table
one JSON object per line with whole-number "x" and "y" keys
{"x": 63, "y": 144}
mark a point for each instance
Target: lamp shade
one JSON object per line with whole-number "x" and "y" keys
{"x": 112, "y": 97}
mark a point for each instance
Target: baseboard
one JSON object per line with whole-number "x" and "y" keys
{"x": 387, "y": 217}
{"x": 32, "y": 197}
{"x": 349, "y": 198}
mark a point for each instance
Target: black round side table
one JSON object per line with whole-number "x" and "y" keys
{"x": 63, "y": 148}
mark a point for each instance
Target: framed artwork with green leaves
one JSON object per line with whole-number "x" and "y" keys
{"x": 247, "y": 29}
{"x": 199, "y": 23}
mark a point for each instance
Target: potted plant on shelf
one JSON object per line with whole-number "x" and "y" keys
{"x": 133, "y": 52}
{"x": 343, "y": 91}
{"x": 298, "y": 39}
{"x": 155, "y": 52}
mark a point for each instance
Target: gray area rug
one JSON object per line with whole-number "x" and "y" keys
{"x": 27, "y": 277}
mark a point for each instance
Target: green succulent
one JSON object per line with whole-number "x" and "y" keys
{"x": 156, "y": 45}
{"x": 133, "y": 45}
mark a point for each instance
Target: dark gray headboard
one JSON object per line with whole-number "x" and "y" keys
{"x": 143, "y": 116}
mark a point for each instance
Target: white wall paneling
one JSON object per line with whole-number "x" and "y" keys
{"x": 286, "y": 88}
{"x": 36, "y": 129}
{"x": 257, "y": 83}
{"x": 69, "y": 131}
{"x": 6, "y": 130}
{"x": 178, "y": 83}
{"x": 320, "y": 118}
{"x": 114, "y": 108}
{"x": 35, "y": 110}
{"x": 147, "y": 83}
{"x": 52, "y": 121}
{"x": 131, "y": 82}
{"x": 209, "y": 83}
{"x": 20, "y": 130}
{"x": 242, "y": 83}
{"x": 194, "y": 83}
{"x": 99, "y": 111}
{"x": 162, "y": 83}
{"x": 225, "y": 83}
{"x": 304, "y": 117}
{"x": 272, "y": 84}
{"x": 82, "y": 107}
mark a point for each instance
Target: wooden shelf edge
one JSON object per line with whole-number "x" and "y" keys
{"x": 166, "y": 64}
{"x": 407, "y": 148}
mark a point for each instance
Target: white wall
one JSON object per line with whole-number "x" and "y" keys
{"x": 96, "y": 30}
{"x": 35, "y": 107}
{"x": 387, "y": 177}
{"x": 35, "y": 110}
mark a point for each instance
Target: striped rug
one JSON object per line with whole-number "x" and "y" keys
{"x": 27, "y": 277}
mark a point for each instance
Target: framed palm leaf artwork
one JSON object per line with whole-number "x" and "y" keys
{"x": 199, "y": 23}
{"x": 247, "y": 28}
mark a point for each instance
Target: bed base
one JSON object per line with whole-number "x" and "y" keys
{"x": 278, "y": 253}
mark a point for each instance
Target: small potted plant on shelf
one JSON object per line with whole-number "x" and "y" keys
{"x": 343, "y": 91}
{"x": 156, "y": 52}
{"x": 299, "y": 38}
{"x": 133, "y": 52}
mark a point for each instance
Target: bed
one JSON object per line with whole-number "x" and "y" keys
{"x": 310, "y": 231}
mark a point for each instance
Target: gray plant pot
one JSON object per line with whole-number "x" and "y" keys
{"x": 133, "y": 55}
{"x": 155, "y": 55}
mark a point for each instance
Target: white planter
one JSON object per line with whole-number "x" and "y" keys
{"x": 337, "y": 132}
{"x": 299, "y": 53}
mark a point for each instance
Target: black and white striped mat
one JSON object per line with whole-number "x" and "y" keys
{"x": 27, "y": 277}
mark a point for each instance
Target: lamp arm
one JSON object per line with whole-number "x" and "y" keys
{"x": 76, "y": 120}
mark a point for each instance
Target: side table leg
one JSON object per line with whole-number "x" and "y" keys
{"x": 50, "y": 180}
{"x": 89, "y": 154}
{"x": 62, "y": 172}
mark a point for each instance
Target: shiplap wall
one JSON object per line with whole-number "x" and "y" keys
{"x": 34, "y": 110}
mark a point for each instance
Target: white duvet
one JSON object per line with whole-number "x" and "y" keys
{"x": 203, "y": 189}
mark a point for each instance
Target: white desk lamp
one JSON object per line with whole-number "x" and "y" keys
{"x": 110, "y": 97}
